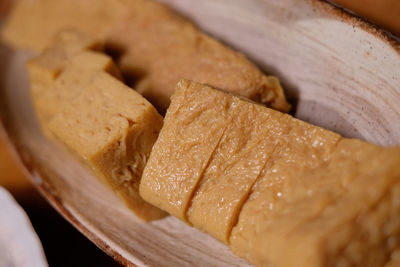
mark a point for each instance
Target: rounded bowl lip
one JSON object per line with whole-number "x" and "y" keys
{"x": 347, "y": 15}
{"x": 27, "y": 162}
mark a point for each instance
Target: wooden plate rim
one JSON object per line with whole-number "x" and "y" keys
{"x": 27, "y": 162}
{"x": 354, "y": 19}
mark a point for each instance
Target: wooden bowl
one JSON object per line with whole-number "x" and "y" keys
{"x": 342, "y": 73}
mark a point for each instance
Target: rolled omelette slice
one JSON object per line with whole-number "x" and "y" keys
{"x": 303, "y": 150}
{"x": 250, "y": 138}
{"x": 76, "y": 73}
{"x": 344, "y": 213}
{"x": 112, "y": 128}
{"x": 211, "y": 149}
{"x": 45, "y": 68}
{"x": 186, "y": 144}
{"x": 254, "y": 131}
{"x": 210, "y": 195}
{"x": 32, "y": 24}
{"x": 155, "y": 46}
{"x": 81, "y": 101}
{"x": 57, "y": 73}
{"x": 317, "y": 198}
{"x": 163, "y": 48}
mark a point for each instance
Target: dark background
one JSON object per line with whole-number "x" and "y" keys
{"x": 62, "y": 243}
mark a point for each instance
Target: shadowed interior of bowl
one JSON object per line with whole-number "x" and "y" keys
{"x": 341, "y": 74}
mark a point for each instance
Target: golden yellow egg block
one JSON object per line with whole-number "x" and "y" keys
{"x": 80, "y": 100}
{"x": 155, "y": 46}
{"x": 279, "y": 191}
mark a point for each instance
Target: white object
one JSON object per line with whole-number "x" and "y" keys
{"x": 19, "y": 244}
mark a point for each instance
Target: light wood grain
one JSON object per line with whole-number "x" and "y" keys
{"x": 344, "y": 75}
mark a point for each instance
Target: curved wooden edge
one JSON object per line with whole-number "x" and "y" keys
{"x": 58, "y": 205}
{"x": 25, "y": 161}
{"x": 344, "y": 14}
